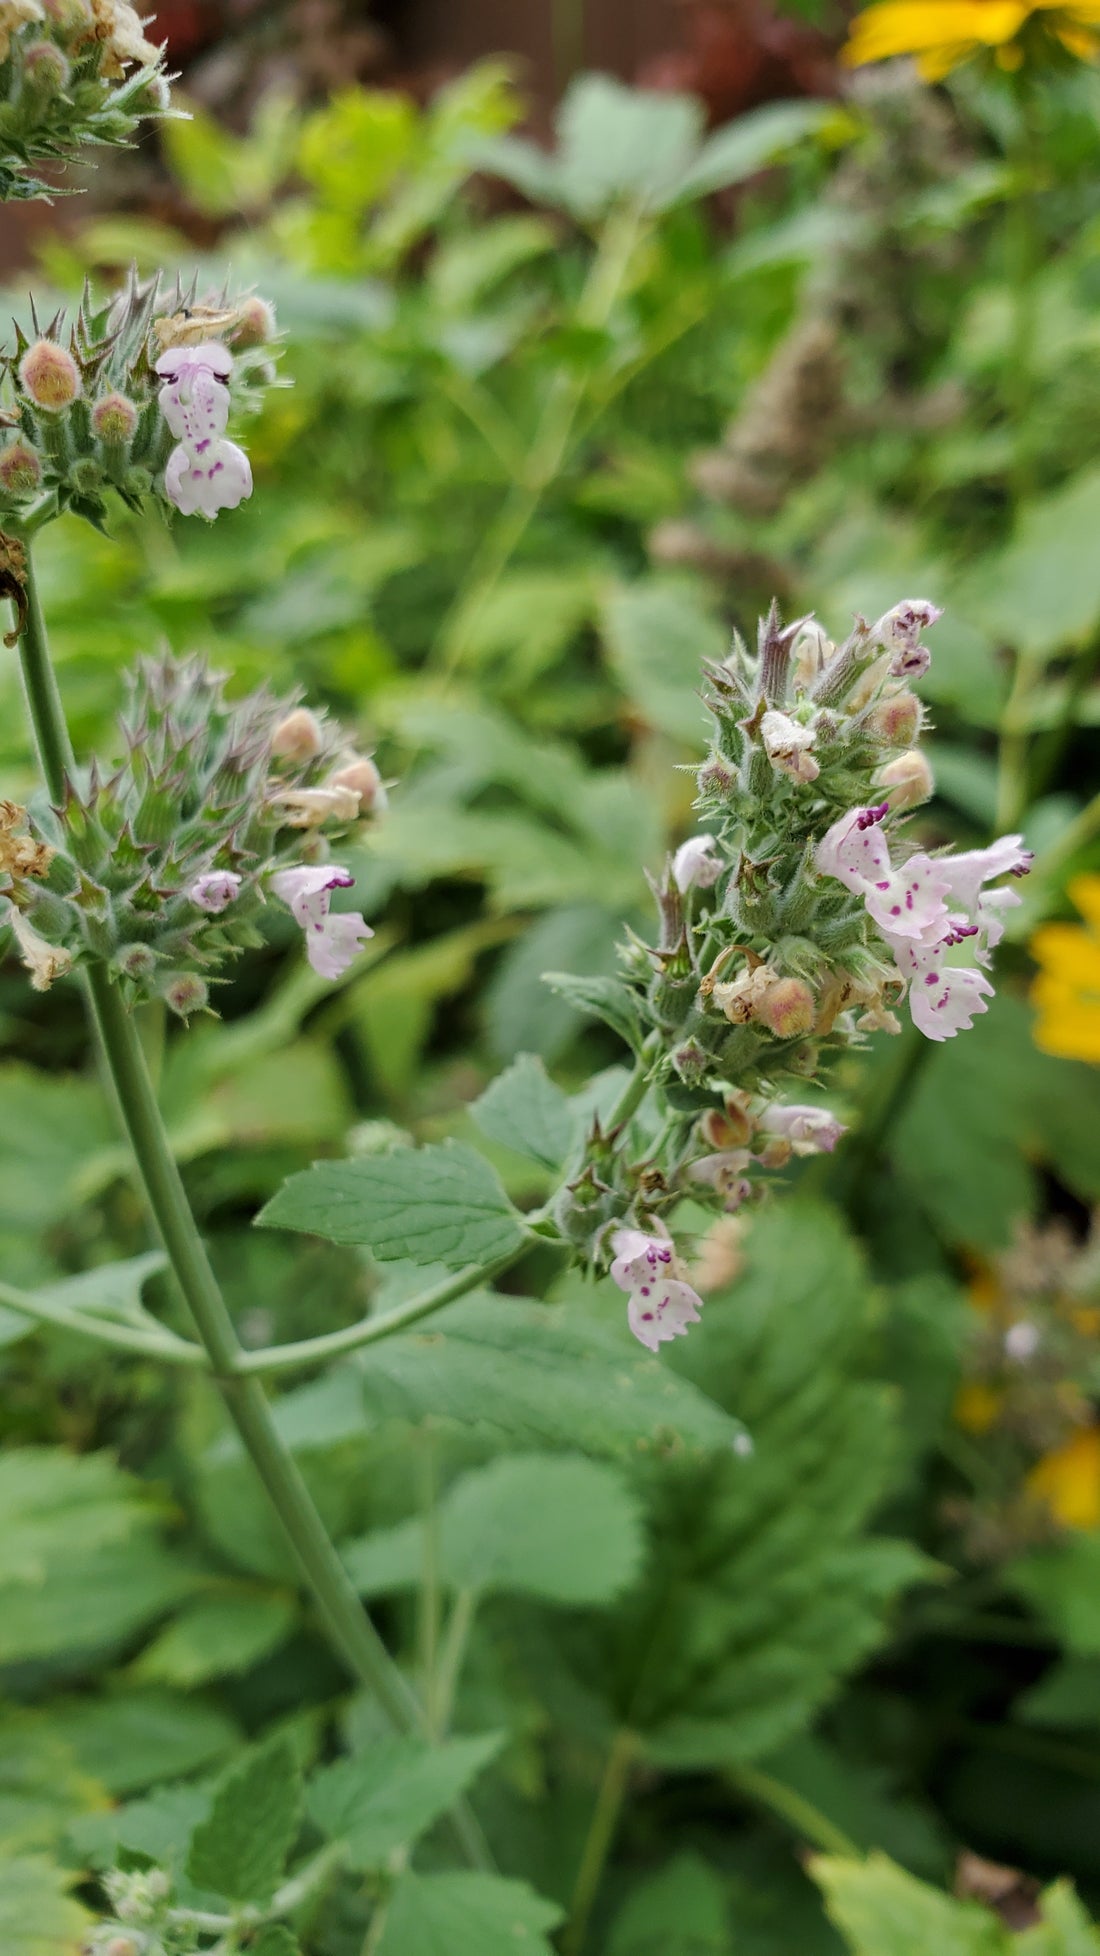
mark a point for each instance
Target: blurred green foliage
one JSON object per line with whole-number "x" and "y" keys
{"x": 484, "y": 533}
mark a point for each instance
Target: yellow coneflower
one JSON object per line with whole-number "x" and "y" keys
{"x": 943, "y": 33}
{"x": 1068, "y": 1480}
{"x": 1066, "y": 993}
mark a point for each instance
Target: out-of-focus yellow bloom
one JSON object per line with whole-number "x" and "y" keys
{"x": 1068, "y": 1480}
{"x": 1066, "y": 994}
{"x": 942, "y": 33}
{"x": 977, "y": 1406}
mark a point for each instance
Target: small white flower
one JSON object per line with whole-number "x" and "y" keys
{"x": 661, "y": 1306}
{"x": 1022, "y": 1340}
{"x": 810, "y": 1130}
{"x": 215, "y": 891}
{"x": 205, "y": 472}
{"x": 695, "y": 865}
{"x": 332, "y": 942}
{"x": 787, "y": 746}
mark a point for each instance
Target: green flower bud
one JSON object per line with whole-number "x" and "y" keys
{"x": 45, "y": 69}
{"x": 20, "y": 469}
{"x": 186, "y": 993}
{"x": 114, "y": 419}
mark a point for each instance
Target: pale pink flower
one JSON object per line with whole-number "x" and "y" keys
{"x": 205, "y": 472}
{"x": 787, "y": 746}
{"x": 215, "y": 891}
{"x": 332, "y": 941}
{"x": 661, "y": 1306}
{"x": 810, "y": 1130}
{"x": 695, "y": 865}
{"x": 725, "y": 1173}
{"x": 943, "y": 998}
{"x": 907, "y": 902}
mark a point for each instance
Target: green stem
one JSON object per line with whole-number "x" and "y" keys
{"x": 799, "y": 1813}
{"x": 350, "y": 1629}
{"x": 333, "y": 1344}
{"x": 601, "y": 1833}
{"x": 146, "y": 1344}
{"x": 452, "y": 1656}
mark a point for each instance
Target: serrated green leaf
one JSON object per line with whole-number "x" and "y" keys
{"x": 387, "y": 1796}
{"x": 881, "y": 1910}
{"x": 658, "y": 636}
{"x": 763, "y": 1585}
{"x": 159, "y": 1827}
{"x": 440, "y": 1204}
{"x": 525, "y": 1111}
{"x": 543, "y": 1373}
{"x": 56, "y": 1504}
{"x": 240, "y": 1850}
{"x": 679, "y": 1911}
{"x": 128, "y": 1740}
{"x": 601, "y": 998}
{"x": 615, "y": 142}
{"x": 467, "y": 1915}
{"x": 37, "y": 1915}
{"x": 217, "y": 1636}
{"x": 560, "y": 1527}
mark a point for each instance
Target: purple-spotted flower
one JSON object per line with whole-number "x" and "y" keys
{"x": 926, "y": 909}
{"x": 204, "y": 472}
{"x": 696, "y": 865}
{"x": 810, "y": 1130}
{"x": 661, "y": 1305}
{"x": 215, "y": 891}
{"x": 332, "y": 941}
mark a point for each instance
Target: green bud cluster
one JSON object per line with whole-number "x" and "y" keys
{"x": 72, "y": 72}
{"x": 205, "y": 789}
{"x": 82, "y": 404}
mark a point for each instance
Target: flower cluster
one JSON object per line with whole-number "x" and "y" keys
{"x": 163, "y": 867}
{"x": 791, "y": 927}
{"x": 72, "y": 72}
{"x": 133, "y": 400}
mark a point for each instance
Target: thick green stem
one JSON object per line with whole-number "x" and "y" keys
{"x": 601, "y": 1833}
{"x": 351, "y": 1632}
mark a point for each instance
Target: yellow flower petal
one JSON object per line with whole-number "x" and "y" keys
{"x": 1069, "y": 1035}
{"x": 1068, "y": 1480}
{"x": 1069, "y": 953}
{"x": 1084, "y": 891}
{"x": 941, "y": 30}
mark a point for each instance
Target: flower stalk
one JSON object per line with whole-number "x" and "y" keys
{"x": 347, "y": 1624}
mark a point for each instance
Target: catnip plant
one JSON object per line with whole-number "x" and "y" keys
{"x": 796, "y": 924}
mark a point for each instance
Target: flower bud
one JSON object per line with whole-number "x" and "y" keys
{"x": 255, "y": 323}
{"x": 908, "y": 780}
{"x": 787, "y": 745}
{"x": 114, "y": 419}
{"x": 20, "y": 469}
{"x": 298, "y": 737}
{"x": 215, "y": 891}
{"x": 787, "y": 1008}
{"x": 135, "y": 961}
{"x": 725, "y": 1128}
{"x": 86, "y": 475}
{"x": 50, "y": 375}
{"x": 895, "y": 719}
{"x": 186, "y": 993}
{"x": 362, "y": 777}
{"x": 121, "y": 1946}
{"x": 716, "y": 777}
{"x": 45, "y": 68}
{"x": 307, "y": 808}
{"x": 692, "y": 1063}
{"x": 812, "y": 650}
{"x": 696, "y": 865}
